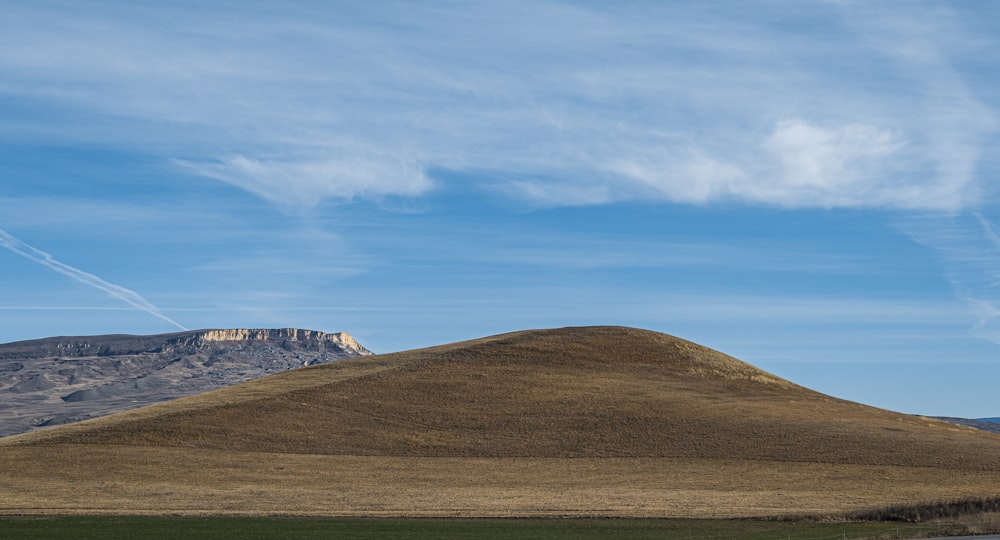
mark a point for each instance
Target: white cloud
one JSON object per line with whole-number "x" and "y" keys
{"x": 951, "y": 123}
{"x": 304, "y": 183}
{"x": 823, "y": 158}
{"x": 592, "y": 104}
{"x": 841, "y": 166}
{"x": 548, "y": 192}
{"x": 687, "y": 176}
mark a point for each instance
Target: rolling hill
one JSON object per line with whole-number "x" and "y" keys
{"x": 606, "y": 421}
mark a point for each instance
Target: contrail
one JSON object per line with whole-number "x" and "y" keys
{"x": 989, "y": 231}
{"x": 969, "y": 247}
{"x": 129, "y": 297}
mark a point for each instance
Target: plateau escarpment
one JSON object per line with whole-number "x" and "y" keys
{"x": 59, "y": 380}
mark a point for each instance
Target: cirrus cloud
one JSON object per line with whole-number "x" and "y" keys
{"x": 295, "y": 184}
{"x": 567, "y": 103}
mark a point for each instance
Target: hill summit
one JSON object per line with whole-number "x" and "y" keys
{"x": 59, "y": 380}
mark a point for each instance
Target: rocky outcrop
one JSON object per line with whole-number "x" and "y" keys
{"x": 66, "y": 379}
{"x": 118, "y": 345}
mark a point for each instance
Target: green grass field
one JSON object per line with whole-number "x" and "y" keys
{"x": 221, "y": 528}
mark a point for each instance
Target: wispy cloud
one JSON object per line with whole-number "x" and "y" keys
{"x": 969, "y": 250}
{"x": 292, "y": 184}
{"x": 566, "y": 103}
{"x": 67, "y": 308}
{"x": 843, "y": 166}
{"x": 946, "y": 114}
{"x": 128, "y": 296}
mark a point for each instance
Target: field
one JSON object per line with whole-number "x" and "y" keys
{"x": 115, "y": 480}
{"x": 222, "y": 528}
{"x": 594, "y": 422}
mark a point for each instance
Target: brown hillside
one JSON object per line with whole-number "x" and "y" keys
{"x": 607, "y": 421}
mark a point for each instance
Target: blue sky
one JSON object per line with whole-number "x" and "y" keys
{"x": 808, "y": 186}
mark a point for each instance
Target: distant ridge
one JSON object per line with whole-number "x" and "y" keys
{"x": 118, "y": 344}
{"x": 58, "y": 380}
{"x": 985, "y": 424}
{"x": 595, "y": 421}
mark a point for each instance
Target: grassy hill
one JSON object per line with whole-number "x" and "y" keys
{"x": 603, "y": 421}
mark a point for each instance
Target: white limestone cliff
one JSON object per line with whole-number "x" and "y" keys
{"x": 341, "y": 339}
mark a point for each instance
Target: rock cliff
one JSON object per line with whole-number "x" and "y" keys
{"x": 59, "y": 380}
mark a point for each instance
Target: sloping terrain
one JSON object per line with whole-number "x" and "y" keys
{"x": 54, "y": 381}
{"x": 577, "y": 421}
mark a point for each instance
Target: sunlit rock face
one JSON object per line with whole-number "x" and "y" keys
{"x": 59, "y": 380}
{"x": 341, "y": 340}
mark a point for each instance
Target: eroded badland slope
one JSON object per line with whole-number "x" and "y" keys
{"x": 59, "y": 380}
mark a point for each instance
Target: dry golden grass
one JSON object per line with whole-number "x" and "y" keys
{"x": 581, "y": 421}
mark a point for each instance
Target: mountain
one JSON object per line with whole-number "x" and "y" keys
{"x": 990, "y": 420}
{"x": 54, "y": 381}
{"x": 597, "y": 421}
